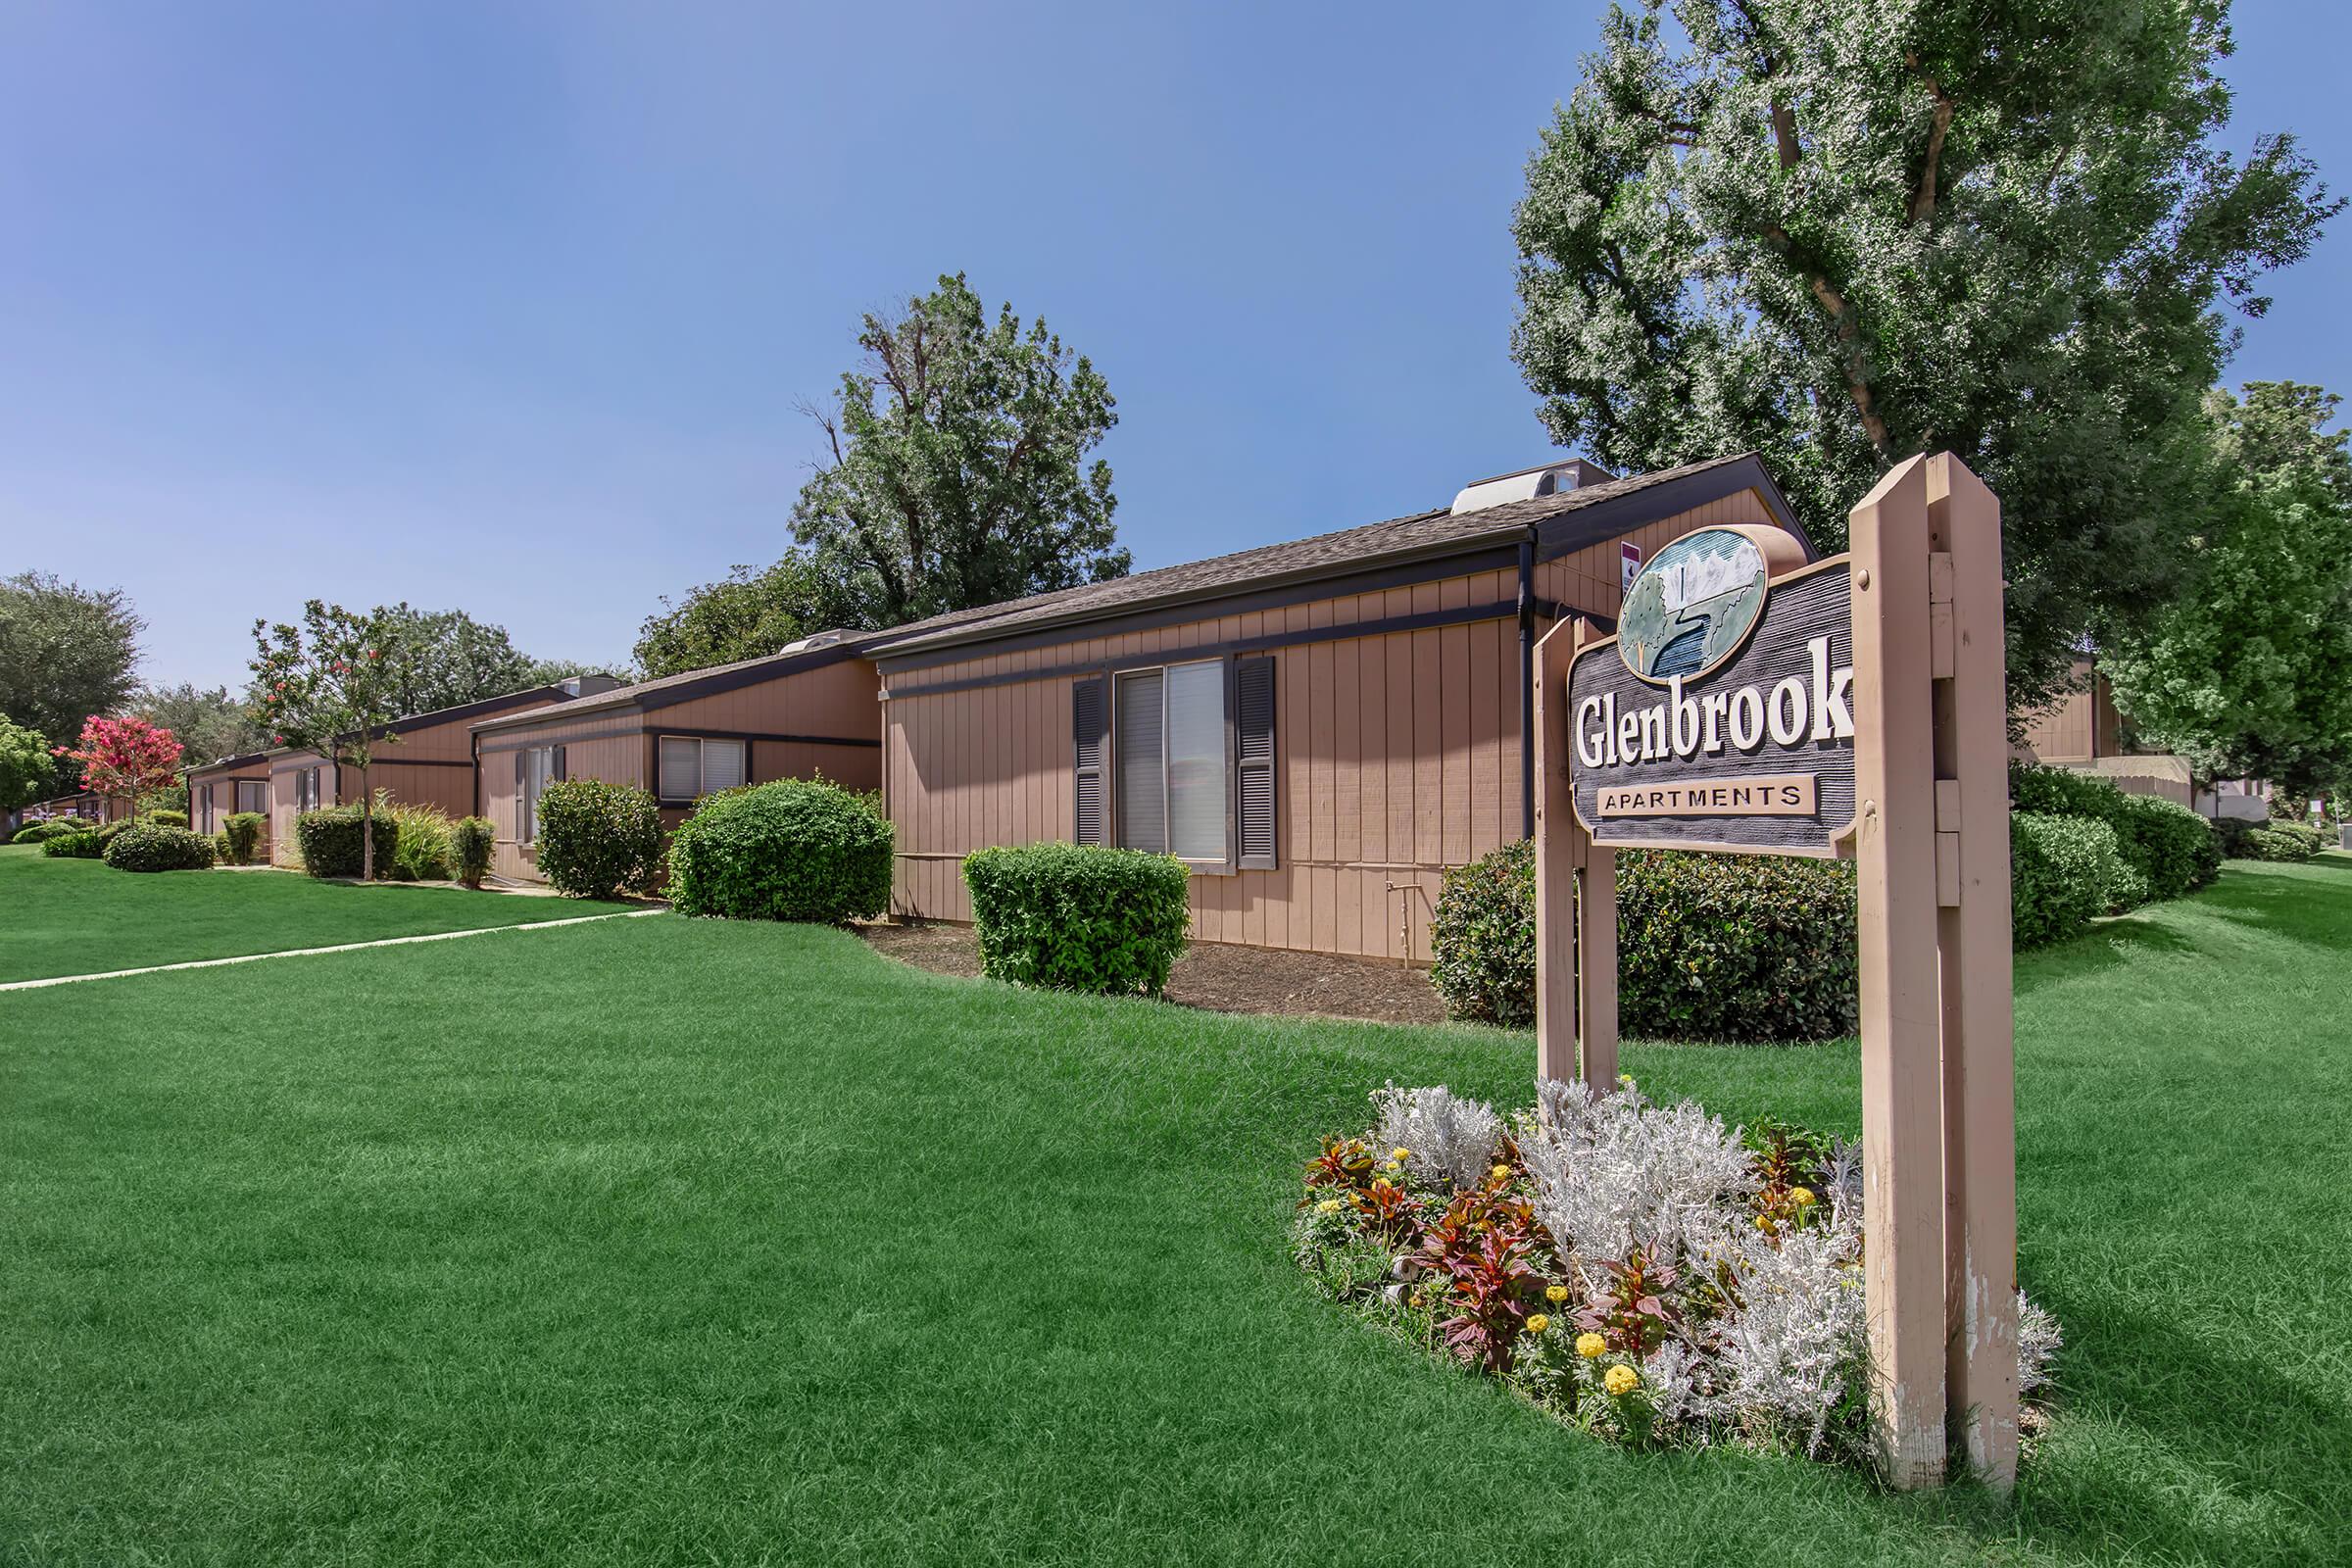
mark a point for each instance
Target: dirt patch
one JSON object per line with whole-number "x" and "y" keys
{"x": 1220, "y": 978}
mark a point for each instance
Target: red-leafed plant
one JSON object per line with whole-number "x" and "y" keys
{"x": 1345, "y": 1163}
{"x": 1389, "y": 1211}
{"x": 1632, "y": 1310}
{"x": 1493, "y": 1289}
{"x": 123, "y": 758}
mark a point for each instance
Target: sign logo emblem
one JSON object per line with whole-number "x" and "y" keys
{"x": 1692, "y": 607}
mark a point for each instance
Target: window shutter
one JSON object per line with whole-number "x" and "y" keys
{"x": 1139, "y": 759}
{"x": 562, "y": 764}
{"x": 1254, "y": 761}
{"x": 1089, "y": 698}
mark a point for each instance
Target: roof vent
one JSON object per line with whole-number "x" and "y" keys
{"x": 814, "y": 639}
{"x": 575, "y": 687}
{"x": 1551, "y": 478}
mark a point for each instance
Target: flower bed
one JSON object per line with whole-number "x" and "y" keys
{"x": 1636, "y": 1270}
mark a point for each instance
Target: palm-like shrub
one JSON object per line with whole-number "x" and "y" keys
{"x": 597, "y": 839}
{"x": 794, "y": 850}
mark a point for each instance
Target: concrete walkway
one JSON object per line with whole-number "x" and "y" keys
{"x": 307, "y": 953}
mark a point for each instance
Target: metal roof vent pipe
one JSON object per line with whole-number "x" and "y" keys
{"x": 1528, "y": 484}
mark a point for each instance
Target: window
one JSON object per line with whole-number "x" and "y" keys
{"x": 204, "y": 812}
{"x": 535, "y": 768}
{"x": 306, "y": 790}
{"x": 692, "y": 768}
{"x": 253, "y": 795}
{"x": 1173, "y": 769}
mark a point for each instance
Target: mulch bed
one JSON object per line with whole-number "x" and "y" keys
{"x": 1220, "y": 978}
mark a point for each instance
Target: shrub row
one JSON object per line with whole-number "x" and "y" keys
{"x": 2167, "y": 849}
{"x": 1709, "y": 947}
{"x": 2275, "y": 840}
{"x": 54, "y": 827}
{"x": 84, "y": 843}
{"x": 1073, "y": 917}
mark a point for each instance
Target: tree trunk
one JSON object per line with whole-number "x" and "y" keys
{"x": 366, "y": 829}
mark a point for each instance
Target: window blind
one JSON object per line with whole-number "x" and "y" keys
{"x": 1139, "y": 758}
{"x": 722, "y": 766}
{"x": 1198, "y": 785}
{"x": 681, "y": 768}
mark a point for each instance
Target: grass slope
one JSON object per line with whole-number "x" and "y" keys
{"x": 688, "y": 1241}
{"x": 67, "y": 916}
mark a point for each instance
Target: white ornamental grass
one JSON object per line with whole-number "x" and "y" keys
{"x": 1452, "y": 1138}
{"x": 1612, "y": 1172}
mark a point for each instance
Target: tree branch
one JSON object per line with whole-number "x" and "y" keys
{"x": 1923, "y": 194}
{"x": 1848, "y": 327}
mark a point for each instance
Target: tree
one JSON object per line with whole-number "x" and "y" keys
{"x": 748, "y": 614}
{"x": 333, "y": 685}
{"x": 1841, "y": 233}
{"x": 65, "y": 652}
{"x": 956, "y": 472}
{"x": 2248, "y": 671}
{"x": 123, "y": 758}
{"x": 210, "y": 723}
{"x": 26, "y": 765}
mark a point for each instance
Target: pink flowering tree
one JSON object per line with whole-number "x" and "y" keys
{"x": 328, "y": 686}
{"x": 123, "y": 758}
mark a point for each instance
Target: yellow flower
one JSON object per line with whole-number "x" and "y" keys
{"x": 1329, "y": 1205}
{"x": 1591, "y": 1346}
{"x": 1801, "y": 1197}
{"x": 1500, "y": 1173}
{"x": 1764, "y": 1223}
{"x": 1394, "y": 1165}
{"x": 1621, "y": 1380}
{"x": 1625, "y": 1080}
{"x": 1400, "y": 1154}
{"x": 1537, "y": 1323}
{"x": 1556, "y": 1293}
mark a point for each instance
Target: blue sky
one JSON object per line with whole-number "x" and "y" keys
{"x": 508, "y": 306}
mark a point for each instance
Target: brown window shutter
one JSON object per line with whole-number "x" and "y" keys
{"x": 1253, "y": 763}
{"x": 562, "y": 764}
{"x": 1089, "y": 701}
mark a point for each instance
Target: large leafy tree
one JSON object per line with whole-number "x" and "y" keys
{"x": 1841, "y": 233}
{"x": 748, "y": 614}
{"x": 333, "y": 685}
{"x": 956, "y": 470}
{"x": 209, "y": 722}
{"x": 2248, "y": 673}
{"x": 66, "y": 653}
{"x": 26, "y": 764}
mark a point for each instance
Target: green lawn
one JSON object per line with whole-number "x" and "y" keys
{"x": 65, "y": 917}
{"x": 683, "y": 1241}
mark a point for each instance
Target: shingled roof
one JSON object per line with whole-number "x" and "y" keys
{"x": 668, "y": 690}
{"x": 1568, "y": 520}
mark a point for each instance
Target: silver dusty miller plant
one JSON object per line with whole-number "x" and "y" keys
{"x": 1451, "y": 1139}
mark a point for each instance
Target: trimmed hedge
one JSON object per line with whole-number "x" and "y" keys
{"x": 2063, "y": 871}
{"x": 329, "y": 841}
{"x": 471, "y": 841}
{"x": 1078, "y": 917}
{"x": 54, "y": 827}
{"x": 160, "y": 847}
{"x": 2287, "y": 841}
{"x": 1709, "y": 947}
{"x": 84, "y": 843}
{"x": 794, "y": 850}
{"x": 243, "y": 830}
{"x": 168, "y": 819}
{"x": 29, "y": 833}
{"x": 598, "y": 839}
{"x": 2167, "y": 850}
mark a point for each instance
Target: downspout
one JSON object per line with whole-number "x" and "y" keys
{"x": 1527, "y": 684}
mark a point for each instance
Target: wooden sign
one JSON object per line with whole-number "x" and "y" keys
{"x": 1753, "y": 704}
{"x": 1721, "y": 714}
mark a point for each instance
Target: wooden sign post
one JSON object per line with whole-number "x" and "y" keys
{"x": 1752, "y": 704}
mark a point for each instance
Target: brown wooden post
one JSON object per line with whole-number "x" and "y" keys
{"x": 1971, "y": 834}
{"x": 1597, "y": 965}
{"x": 1894, "y": 847}
{"x": 1560, "y": 845}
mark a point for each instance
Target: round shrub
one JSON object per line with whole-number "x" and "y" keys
{"x": 1482, "y": 938}
{"x": 471, "y": 841}
{"x": 244, "y": 832}
{"x": 329, "y": 841}
{"x": 1079, "y": 917}
{"x": 1709, "y": 947}
{"x": 2166, "y": 843}
{"x": 2062, "y": 871}
{"x": 598, "y": 839}
{"x": 158, "y": 847}
{"x": 794, "y": 850}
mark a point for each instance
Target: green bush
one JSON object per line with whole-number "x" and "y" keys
{"x": 2062, "y": 871}
{"x": 54, "y": 827}
{"x": 159, "y": 847}
{"x": 1482, "y": 938}
{"x": 29, "y": 833}
{"x": 471, "y": 841}
{"x": 419, "y": 842}
{"x": 794, "y": 850}
{"x": 2283, "y": 841}
{"x": 243, "y": 831}
{"x": 598, "y": 839}
{"x": 329, "y": 841}
{"x": 168, "y": 819}
{"x": 221, "y": 854}
{"x": 86, "y": 841}
{"x": 1075, "y": 917}
{"x": 2167, "y": 849}
{"x": 1709, "y": 947}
